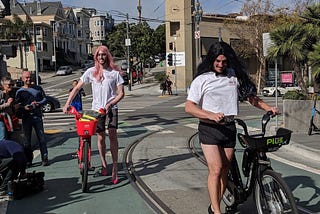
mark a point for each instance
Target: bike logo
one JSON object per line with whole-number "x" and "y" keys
{"x": 275, "y": 141}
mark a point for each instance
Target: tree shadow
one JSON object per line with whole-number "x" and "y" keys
{"x": 307, "y": 186}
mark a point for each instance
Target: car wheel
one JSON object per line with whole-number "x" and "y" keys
{"x": 48, "y": 107}
{"x": 276, "y": 93}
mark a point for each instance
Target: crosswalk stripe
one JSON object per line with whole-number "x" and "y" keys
{"x": 154, "y": 128}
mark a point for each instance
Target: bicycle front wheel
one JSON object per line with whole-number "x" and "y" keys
{"x": 277, "y": 197}
{"x": 85, "y": 166}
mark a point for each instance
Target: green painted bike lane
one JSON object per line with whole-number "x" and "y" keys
{"x": 62, "y": 193}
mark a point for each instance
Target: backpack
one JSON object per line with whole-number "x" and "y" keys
{"x": 30, "y": 184}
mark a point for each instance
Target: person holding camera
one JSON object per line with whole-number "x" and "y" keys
{"x": 30, "y": 98}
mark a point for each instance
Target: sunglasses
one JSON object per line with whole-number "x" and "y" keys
{"x": 10, "y": 84}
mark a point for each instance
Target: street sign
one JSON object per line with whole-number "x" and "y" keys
{"x": 197, "y": 34}
{"x": 128, "y": 42}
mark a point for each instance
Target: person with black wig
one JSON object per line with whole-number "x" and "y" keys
{"x": 213, "y": 98}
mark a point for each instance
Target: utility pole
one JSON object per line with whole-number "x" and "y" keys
{"x": 128, "y": 43}
{"x": 197, "y": 13}
{"x": 139, "y": 7}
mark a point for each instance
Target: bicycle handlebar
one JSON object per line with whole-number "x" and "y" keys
{"x": 264, "y": 121}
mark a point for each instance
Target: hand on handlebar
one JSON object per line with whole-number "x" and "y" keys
{"x": 274, "y": 111}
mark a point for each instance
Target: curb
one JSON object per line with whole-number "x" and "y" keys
{"x": 304, "y": 151}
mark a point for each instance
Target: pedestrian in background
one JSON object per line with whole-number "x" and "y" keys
{"x": 163, "y": 87}
{"x": 30, "y": 98}
{"x": 107, "y": 90}
{"x": 213, "y": 98}
{"x": 77, "y": 100}
{"x": 8, "y": 121}
{"x": 169, "y": 85}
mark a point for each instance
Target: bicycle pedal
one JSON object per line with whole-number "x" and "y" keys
{"x": 74, "y": 156}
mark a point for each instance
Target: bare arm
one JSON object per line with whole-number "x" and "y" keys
{"x": 259, "y": 103}
{"x": 193, "y": 109}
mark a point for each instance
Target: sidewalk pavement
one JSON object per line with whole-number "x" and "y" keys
{"x": 175, "y": 177}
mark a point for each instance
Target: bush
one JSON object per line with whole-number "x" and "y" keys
{"x": 294, "y": 95}
{"x": 160, "y": 76}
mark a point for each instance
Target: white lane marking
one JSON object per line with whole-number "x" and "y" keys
{"x": 180, "y": 105}
{"x": 192, "y": 125}
{"x": 154, "y": 128}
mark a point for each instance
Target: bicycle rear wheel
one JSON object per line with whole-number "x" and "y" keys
{"x": 278, "y": 197}
{"x": 85, "y": 165}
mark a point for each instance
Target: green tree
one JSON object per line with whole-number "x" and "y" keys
{"x": 160, "y": 39}
{"x": 116, "y": 40}
{"x": 143, "y": 43}
{"x": 290, "y": 40}
{"x": 18, "y": 31}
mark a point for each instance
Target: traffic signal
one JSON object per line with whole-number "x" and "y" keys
{"x": 5, "y": 8}
{"x": 131, "y": 60}
{"x": 170, "y": 46}
{"x": 170, "y": 59}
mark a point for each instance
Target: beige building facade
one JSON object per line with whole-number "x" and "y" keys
{"x": 183, "y": 35}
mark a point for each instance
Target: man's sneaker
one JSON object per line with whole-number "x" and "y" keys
{"x": 45, "y": 162}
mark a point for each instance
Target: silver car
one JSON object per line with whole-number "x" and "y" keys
{"x": 64, "y": 70}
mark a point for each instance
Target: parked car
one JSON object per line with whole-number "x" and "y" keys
{"x": 64, "y": 70}
{"x": 157, "y": 59}
{"x": 281, "y": 90}
{"x": 150, "y": 63}
{"x": 51, "y": 104}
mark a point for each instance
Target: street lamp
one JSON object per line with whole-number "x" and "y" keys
{"x": 197, "y": 13}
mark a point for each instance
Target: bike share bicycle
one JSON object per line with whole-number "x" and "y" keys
{"x": 86, "y": 127}
{"x": 314, "y": 111}
{"x": 271, "y": 193}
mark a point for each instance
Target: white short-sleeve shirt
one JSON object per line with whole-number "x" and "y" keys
{"x": 105, "y": 91}
{"x": 215, "y": 93}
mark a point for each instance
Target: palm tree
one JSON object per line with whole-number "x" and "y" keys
{"x": 18, "y": 30}
{"x": 290, "y": 40}
{"x": 314, "y": 60}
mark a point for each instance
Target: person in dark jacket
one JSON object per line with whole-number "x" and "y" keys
{"x": 12, "y": 162}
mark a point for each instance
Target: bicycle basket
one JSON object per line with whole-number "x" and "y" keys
{"x": 266, "y": 144}
{"x": 86, "y": 128}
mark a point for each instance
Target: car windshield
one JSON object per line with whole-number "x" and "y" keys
{"x": 63, "y": 68}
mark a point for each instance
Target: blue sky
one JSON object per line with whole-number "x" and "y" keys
{"x": 155, "y": 8}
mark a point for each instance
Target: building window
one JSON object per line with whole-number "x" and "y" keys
{"x": 79, "y": 33}
{"x": 174, "y": 28}
{"x": 45, "y": 47}
{"x": 39, "y": 46}
{"x": 38, "y": 30}
{"x": 78, "y": 20}
{"x": 45, "y": 31}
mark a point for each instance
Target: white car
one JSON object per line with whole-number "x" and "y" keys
{"x": 64, "y": 70}
{"x": 271, "y": 91}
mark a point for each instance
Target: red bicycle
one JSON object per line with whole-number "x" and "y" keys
{"x": 86, "y": 127}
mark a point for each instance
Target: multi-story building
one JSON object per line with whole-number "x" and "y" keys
{"x": 61, "y": 35}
